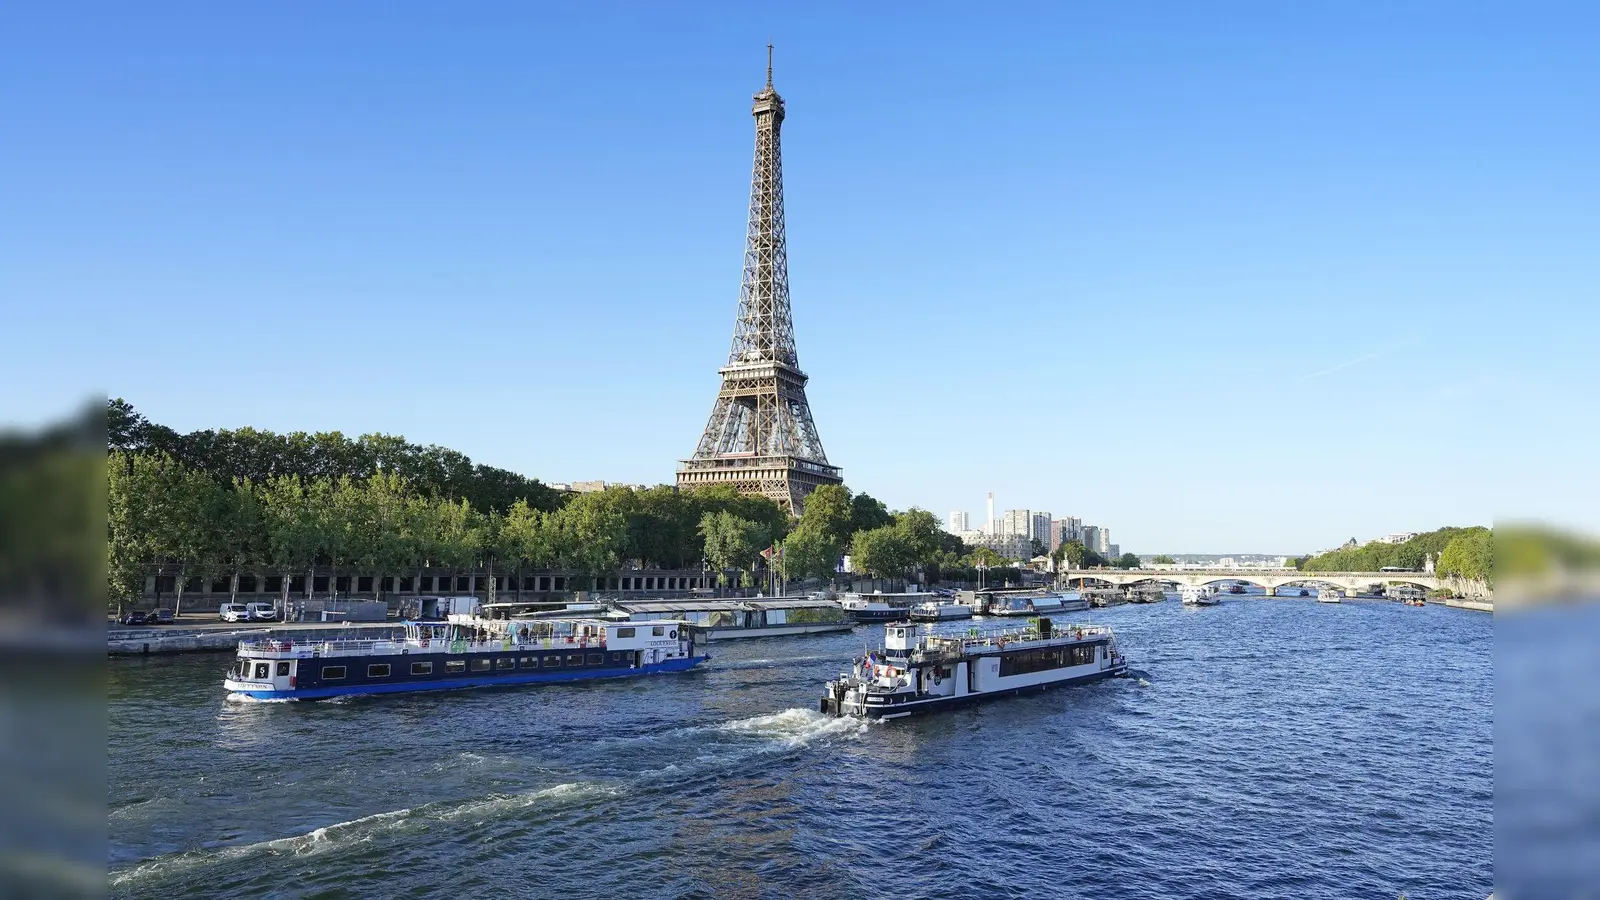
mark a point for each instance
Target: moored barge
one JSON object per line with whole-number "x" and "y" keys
{"x": 921, "y": 673}
{"x": 461, "y": 653}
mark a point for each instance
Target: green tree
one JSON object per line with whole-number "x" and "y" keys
{"x": 588, "y": 535}
{"x": 1163, "y": 560}
{"x": 293, "y": 535}
{"x": 829, "y": 514}
{"x": 1468, "y": 555}
{"x": 1073, "y": 552}
{"x": 808, "y": 554}
{"x": 526, "y": 539}
{"x": 1127, "y": 561}
{"x": 130, "y": 480}
{"x": 867, "y": 514}
{"x": 918, "y": 531}
{"x": 732, "y": 542}
{"x": 243, "y": 538}
{"x": 985, "y": 557}
{"x": 882, "y": 552}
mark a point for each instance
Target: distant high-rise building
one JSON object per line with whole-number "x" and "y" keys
{"x": 1115, "y": 551}
{"x": 1105, "y": 542}
{"x": 1090, "y": 536}
{"x": 959, "y": 521}
{"x": 1040, "y": 529}
{"x": 1071, "y": 529}
{"x": 988, "y": 521}
{"x": 1016, "y": 521}
{"x": 1054, "y": 543}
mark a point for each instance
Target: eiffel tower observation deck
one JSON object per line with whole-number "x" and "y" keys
{"x": 760, "y": 437}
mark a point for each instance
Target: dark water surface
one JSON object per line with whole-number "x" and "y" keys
{"x": 1283, "y": 748}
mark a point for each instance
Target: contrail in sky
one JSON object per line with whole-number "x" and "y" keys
{"x": 1350, "y": 362}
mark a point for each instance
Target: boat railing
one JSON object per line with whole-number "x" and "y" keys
{"x": 999, "y": 638}
{"x": 361, "y": 646}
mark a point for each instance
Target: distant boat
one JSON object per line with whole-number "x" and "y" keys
{"x": 876, "y": 607}
{"x": 1032, "y": 603}
{"x": 1329, "y": 595}
{"x": 940, "y": 612}
{"x": 1198, "y": 595}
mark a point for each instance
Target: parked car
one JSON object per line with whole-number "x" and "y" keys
{"x": 159, "y": 617}
{"x": 135, "y": 618}
{"x": 234, "y": 612}
{"x": 261, "y": 612}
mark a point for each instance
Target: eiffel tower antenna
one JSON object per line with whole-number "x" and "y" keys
{"x": 760, "y": 437}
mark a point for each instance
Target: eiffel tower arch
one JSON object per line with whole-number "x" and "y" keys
{"x": 760, "y": 437}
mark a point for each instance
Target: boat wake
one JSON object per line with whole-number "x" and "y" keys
{"x": 342, "y": 835}
{"x": 772, "y": 663}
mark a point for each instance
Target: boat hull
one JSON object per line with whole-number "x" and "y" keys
{"x": 727, "y": 634}
{"x": 925, "y": 617}
{"x": 938, "y": 704}
{"x": 245, "y": 690}
{"x": 878, "y": 615}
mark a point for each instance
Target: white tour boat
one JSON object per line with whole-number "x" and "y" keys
{"x": 1198, "y": 595}
{"x": 719, "y": 620}
{"x": 940, "y": 612}
{"x": 920, "y": 673}
{"x": 880, "y": 607}
{"x": 1031, "y": 603}
{"x": 1329, "y": 595}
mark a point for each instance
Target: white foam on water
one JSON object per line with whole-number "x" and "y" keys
{"x": 365, "y": 828}
{"x": 794, "y": 727}
{"x": 495, "y": 806}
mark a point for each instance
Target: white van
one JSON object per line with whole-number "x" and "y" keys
{"x": 261, "y": 612}
{"x": 234, "y": 612}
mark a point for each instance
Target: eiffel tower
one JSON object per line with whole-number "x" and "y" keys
{"x": 760, "y": 437}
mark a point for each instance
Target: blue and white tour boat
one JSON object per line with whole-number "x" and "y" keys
{"x": 920, "y": 673}
{"x": 464, "y": 652}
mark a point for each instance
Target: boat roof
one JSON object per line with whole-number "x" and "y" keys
{"x": 734, "y": 604}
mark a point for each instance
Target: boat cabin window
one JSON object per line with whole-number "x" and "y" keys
{"x": 261, "y": 670}
{"x": 480, "y": 665}
{"x": 616, "y": 657}
{"x": 658, "y": 631}
{"x": 505, "y": 662}
{"x": 624, "y": 632}
{"x": 552, "y": 661}
{"x": 422, "y": 668}
{"x": 283, "y": 668}
{"x": 530, "y": 662}
{"x": 596, "y": 659}
{"x": 574, "y": 659}
{"x": 454, "y": 666}
{"x": 332, "y": 673}
{"x": 379, "y": 670}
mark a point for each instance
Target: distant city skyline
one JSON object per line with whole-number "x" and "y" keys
{"x": 1307, "y": 276}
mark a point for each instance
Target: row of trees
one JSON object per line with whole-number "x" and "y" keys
{"x": 161, "y": 510}
{"x": 1463, "y": 552}
{"x": 260, "y": 456}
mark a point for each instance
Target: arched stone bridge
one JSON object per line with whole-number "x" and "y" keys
{"x": 1270, "y": 579}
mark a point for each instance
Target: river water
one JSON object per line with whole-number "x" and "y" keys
{"x": 1279, "y": 748}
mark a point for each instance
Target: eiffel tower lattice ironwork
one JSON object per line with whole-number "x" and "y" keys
{"x": 760, "y": 437}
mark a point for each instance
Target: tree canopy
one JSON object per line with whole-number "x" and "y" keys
{"x": 226, "y": 455}
{"x": 1377, "y": 555}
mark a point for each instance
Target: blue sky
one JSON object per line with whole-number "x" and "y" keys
{"x": 1221, "y": 277}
